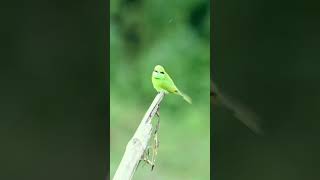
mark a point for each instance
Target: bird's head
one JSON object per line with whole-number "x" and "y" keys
{"x": 159, "y": 72}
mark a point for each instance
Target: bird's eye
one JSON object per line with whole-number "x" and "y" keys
{"x": 162, "y": 72}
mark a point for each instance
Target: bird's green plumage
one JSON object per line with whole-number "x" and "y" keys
{"x": 162, "y": 82}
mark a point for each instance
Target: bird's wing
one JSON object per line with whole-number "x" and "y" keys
{"x": 169, "y": 85}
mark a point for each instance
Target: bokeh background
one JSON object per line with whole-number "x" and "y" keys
{"x": 54, "y": 90}
{"x": 266, "y": 55}
{"x": 176, "y": 35}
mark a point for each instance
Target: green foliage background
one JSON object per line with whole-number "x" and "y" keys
{"x": 175, "y": 34}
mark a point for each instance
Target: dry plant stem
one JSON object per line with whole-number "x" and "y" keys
{"x": 138, "y": 143}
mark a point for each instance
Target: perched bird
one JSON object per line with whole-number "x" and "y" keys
{"x": 163, "y": 83}
{"x": 245, "y": 115}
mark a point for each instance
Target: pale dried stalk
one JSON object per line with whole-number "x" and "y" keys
{"x": 138, "y": 143}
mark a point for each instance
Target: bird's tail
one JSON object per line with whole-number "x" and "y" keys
{"x": 185, "y": 97}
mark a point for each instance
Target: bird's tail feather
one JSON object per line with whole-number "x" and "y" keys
{"x": 185, "y": 97}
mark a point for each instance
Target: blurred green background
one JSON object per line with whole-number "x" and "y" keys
{"x": 266, "y": 55}
{"x": 54, "y": 90}
{"x": 176, "y": 35}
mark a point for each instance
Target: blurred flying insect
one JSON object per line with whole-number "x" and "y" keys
{"x": 245, "y": 115}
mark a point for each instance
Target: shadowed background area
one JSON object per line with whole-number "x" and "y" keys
{"x": 53, "y": 94}
{"x": 176, "y": 35}
{"x": 266, "y": 55}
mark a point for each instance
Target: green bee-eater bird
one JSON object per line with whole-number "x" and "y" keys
{"x": 163, "y": 83}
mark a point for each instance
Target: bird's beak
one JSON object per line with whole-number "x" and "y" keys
{"x": 156, "y": 75}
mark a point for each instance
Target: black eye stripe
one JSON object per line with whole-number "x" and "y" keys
{"x": 162, "y": 72}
